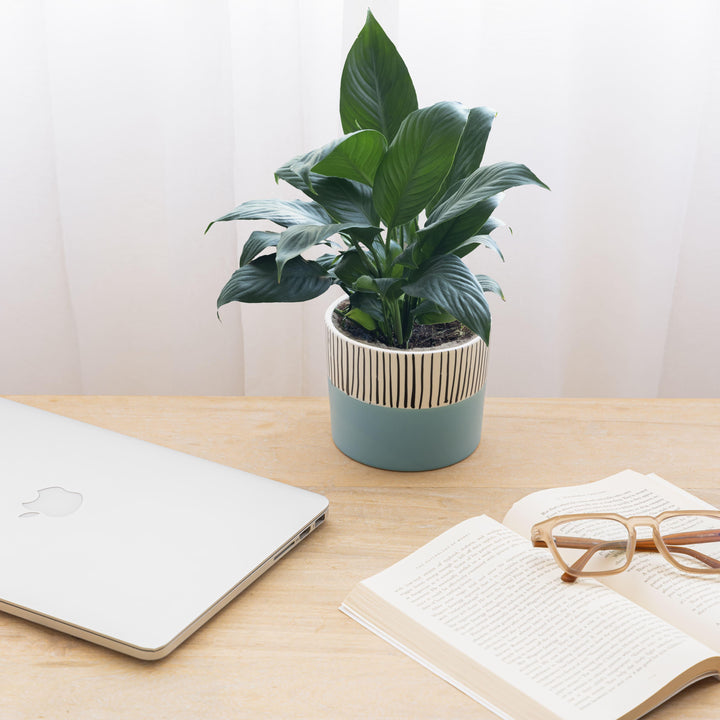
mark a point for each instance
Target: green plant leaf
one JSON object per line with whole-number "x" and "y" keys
{"x": 281, "y": 212}
{"x": 256, "y": 243}
{"x": 345, "y": 200}
{"x": 410, "y": 257}
{"x": 388, "y": 287}
{"x": 428, "y": 313}
{"x": 417, "y": 161}
{"x": 465, "y": 211}
{"x": 297, "y": 239}
{"x": 475, "y": 242}
{"x": 362, "y": 318}
{"x": 480, "y": 185}
{"x": 327, "y": 261}
{"x": 350, "y": 267}
{"x": 302, "y": 165}
{"x": 356, "y": 158}
{"x": 376, "y": 91}
{"x": 470, "y": 150}
{"x": 299, "y": 170}
{"x": 490, "y": 285}
{"x": 369, "y": 304}
{"x": 293, "y": 171}
{"x": 491, "y": 224}
{"x": 471, "y": 147}
{"x": 365, "y": 283}
{"x": 448, "y": 282}
{"x": 446, "y": 236}
{"x": 257, "y": 282}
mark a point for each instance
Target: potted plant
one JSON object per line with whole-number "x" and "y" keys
{"x": 397, "y": 201}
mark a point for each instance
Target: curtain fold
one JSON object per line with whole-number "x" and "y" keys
{"x": 127, "y": 127}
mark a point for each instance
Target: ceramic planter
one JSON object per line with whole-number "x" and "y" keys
{"x": 405, "y": 409}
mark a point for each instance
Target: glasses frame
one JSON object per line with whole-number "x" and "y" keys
{"x": 541, "y": 536}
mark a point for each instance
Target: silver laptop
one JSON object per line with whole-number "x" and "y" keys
{"x": 127, "y": 544}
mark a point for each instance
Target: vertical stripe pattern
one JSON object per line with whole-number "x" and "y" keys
{"x": 405, "y": 378}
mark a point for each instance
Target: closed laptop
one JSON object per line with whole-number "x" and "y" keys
{"x": 128, "y": 544}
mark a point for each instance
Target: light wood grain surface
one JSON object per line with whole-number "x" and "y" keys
{"x": 282, "y": 649}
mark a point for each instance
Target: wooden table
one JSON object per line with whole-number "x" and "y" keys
{"x": 283, "y": 650}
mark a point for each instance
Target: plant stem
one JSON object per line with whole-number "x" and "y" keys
{"x": 397, "y": 317}
{"x": 392, "y": 234}
{"x": 372, "y": 270}
{"x": 407, "y": 327}
{"x": 376, "y": 257}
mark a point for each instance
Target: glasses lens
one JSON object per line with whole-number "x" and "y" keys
{"x": 592, "y": 545}
{"x": 693, "y": 541}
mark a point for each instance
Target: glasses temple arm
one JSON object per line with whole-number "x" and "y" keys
{"x": 582, "y": 561}
{"x": 692, "y": 538}
{"x": 673, "y": 546}
{"x": 594, "y": 546}
{"x": 591, "y": 545}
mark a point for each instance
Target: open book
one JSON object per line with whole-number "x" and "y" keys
{"x": 487, "y": 612}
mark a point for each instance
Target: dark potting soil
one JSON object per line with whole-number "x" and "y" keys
{"x": 423, "y": 336}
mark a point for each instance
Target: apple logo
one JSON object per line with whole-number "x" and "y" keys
{"x": 54, "y": 502}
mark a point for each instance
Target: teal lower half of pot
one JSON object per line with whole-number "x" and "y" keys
{"x": 405, "y": 439}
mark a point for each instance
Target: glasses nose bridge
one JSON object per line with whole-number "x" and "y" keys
{"x": 643, "y": 521}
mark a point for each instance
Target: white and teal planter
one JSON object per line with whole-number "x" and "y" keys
{"x": 405, "y": 409}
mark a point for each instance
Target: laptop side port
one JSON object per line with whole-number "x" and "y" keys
{"x": 283, "y": 550}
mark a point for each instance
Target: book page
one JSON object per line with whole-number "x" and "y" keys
{"x": 690, "y": 602}
{"x": 571, "y": 648}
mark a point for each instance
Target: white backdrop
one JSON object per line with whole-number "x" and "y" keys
{"x": 126, "y": 127}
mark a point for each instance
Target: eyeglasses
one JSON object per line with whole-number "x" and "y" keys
{"x": 592, "y": 544}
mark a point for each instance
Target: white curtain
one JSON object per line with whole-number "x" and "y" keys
{"x": 126, "y": 127}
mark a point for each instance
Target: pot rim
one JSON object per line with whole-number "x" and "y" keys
{"x": 384, "y": 348}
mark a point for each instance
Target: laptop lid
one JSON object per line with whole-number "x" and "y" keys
{"x": 128, "y": 544}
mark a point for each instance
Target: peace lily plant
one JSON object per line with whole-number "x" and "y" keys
{"x": 398, "y": 201}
